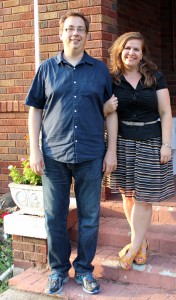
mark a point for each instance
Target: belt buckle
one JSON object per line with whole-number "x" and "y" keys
{"x": 140, "y": 123}
{"x": 137, "y": 123}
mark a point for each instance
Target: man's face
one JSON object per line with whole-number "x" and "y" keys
{"x": 73, "y": 34}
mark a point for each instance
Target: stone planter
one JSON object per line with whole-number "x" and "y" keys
{"x": 29, "y": 198}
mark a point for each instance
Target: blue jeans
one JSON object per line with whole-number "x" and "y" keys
{"x": 57, "y": 181}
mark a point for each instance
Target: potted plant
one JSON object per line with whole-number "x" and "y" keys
{"x": 26, "y": 188}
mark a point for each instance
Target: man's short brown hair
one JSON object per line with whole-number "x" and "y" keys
{"x": 73, "y": 14}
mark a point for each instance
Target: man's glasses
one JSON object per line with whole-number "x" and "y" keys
{"x": 80, "y": 30}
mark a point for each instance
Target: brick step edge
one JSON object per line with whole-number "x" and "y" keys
{"x": 116, "y": 232}
{"x": 162, "y": 213}
{"x": 34, "y": 280}
{"x": 159, "y": 272}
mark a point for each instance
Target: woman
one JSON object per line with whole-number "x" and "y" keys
{"x": 144, "y": 173}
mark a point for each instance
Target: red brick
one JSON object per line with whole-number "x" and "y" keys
{"x": 7, "y": 143}
{"x": 91, "y": 10}
{"x": 15, "y": 60}
{"x": 3, "y": 150}
{"x": 21, "y": 24}
{"x": 22, "y": 106}
{"x": 15, "y": 150}
{"x": 15, "y": 106}
{"x": 5, "y": 184}
{"x": 22, "y": 246}
{"x": 3, "y": 164}
{"x": 3, "y": 106}
{"x": 12, "y": 122}
{"x": 3, "y": 136}
{"x": 35, "y": 257}
{"x": 7, "y": 68}
{"x": 34, "y": 240}
{"x": 27, "y": 16}
{"x": 41, "y": 249}
{"x": 23, "y": 264}
{"x": 3, "y": 177}
{"x": 11, "y": 3}
{"x": 14, "y": 46}
{"x": 6, "y": 54}
{"x": 18, "y": 255}
{"x": 14, "y": 75}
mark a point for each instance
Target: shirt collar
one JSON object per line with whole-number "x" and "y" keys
{"x": 85, "y": 59}
{"x": 122, "y": 78}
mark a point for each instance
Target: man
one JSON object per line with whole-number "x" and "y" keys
{"x": 66, "y": 99}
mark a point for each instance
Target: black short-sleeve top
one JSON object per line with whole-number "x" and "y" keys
{"x": 139, "y": 104}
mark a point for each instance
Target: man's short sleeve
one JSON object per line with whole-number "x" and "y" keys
{"x": 36, "y": 94}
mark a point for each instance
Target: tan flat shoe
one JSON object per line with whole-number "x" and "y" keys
{"x": 141, "y": 257}
{"x": 126, "y": 262}
{"x": 124, "y": 250}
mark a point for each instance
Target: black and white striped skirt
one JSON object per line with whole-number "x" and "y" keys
{"x": 139, "y": 172}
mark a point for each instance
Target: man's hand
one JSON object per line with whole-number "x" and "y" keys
{"x": 109, "y": 162}
{"x": 37, "y": 162}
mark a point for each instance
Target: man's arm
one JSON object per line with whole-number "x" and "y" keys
{"x": 110, "y": 159}
{"x": 34, "y": 125}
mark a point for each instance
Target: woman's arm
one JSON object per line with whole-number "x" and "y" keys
{"x": 165, "y": 113}
{"x": 110, "y": 105}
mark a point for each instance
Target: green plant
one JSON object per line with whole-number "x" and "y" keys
{"x": 6, "y": 257}
{"x": 3, "y": 286}
{"x": 26, "y": 176}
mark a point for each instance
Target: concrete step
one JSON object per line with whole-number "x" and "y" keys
{"x": 158, "y": 273}
{"x": 116, "y": 232}
{"x": 34, "y": 281}
{"x": 163, "y": 213}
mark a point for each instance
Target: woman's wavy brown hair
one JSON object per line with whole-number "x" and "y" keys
{"x": 116, "y": 67}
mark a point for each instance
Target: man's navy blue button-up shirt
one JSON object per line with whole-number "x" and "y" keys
{"x": 72, "y": 100}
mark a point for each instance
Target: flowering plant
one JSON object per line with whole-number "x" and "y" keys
{"x": 27, "y": 176}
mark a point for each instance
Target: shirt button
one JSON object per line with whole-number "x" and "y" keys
{"x": 75, "y": 110}
{"x": 74, "y": 81}
{"x": 76, "y": 126}
{"x": 74, "y": 96}
{"x": 76, "y": 141}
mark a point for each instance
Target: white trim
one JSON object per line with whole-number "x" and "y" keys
{"x": 36, "y": 33}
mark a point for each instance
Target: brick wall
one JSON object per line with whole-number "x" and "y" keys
{"x": 29, "y": 252}
{"x": 16, "y": 70}
{"x": 17, "y": 62}
{"x": 155, "y": 20}
{"x": 108, "y": 18}
{"x": 168, "y": 36}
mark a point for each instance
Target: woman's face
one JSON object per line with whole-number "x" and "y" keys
{"x": 132, "y": 54}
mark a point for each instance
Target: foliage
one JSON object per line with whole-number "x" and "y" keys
{"x": 6, "y": 257}
{"x": 27, "y": 176}
{"x": 3, "y": 286}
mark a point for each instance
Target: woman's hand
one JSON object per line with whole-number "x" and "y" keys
{"x": 165, "y": 154}
{"x": 110, "y": 105}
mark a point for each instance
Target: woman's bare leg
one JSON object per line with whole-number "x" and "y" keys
{"x": 138, "y": 215}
